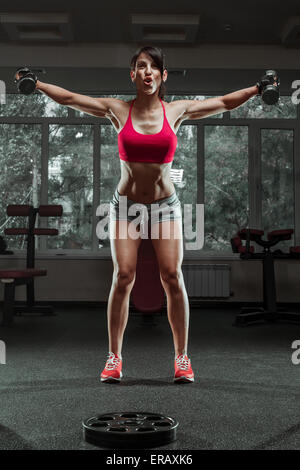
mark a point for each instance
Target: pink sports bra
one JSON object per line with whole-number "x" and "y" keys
{"x": 147, "y": 148}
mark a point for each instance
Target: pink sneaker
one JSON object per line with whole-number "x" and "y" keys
{"x": 183, "y": 369}
{"x": 113, "y": 369}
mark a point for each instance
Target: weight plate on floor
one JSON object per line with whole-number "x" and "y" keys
{"x": 130, "y": 429}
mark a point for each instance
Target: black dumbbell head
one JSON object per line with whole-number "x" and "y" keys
{"x": 267, "y": 89}
{"x": 26, "y": 84}
{"x": 26, "y": 80}
{"x": 270, "y": 94}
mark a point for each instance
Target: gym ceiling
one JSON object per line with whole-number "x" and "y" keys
{"x": 176, "y": 22}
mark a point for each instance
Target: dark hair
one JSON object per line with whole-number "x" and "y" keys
{"x": 159, "y": 58}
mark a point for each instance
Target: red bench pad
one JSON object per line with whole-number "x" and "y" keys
{"x": 147, "y": 294}
{"x": 283, "y": 234}
{"x": 21, "y": 273}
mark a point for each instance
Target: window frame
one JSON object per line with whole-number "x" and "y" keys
{"x": 254, "y": 171}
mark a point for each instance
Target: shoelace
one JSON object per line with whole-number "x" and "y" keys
{"x": 182, "y": 363}
{"x": 112, "y": 362}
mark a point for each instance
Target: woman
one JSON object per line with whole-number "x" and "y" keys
{"x": 147, "y": 128}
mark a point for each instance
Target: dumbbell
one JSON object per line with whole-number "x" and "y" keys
{"x": 268, "y": 87}
{"x": 25, "y": 80}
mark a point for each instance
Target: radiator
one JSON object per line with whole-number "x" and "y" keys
{"x": 207, "y": 280}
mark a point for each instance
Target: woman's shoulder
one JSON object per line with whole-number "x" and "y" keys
{"x": 174, "y": 109}
{"x": 119, "y": 106}
{"x": 120, "y": 111}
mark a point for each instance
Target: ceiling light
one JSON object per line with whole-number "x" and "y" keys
{"x": 37, "y": 26}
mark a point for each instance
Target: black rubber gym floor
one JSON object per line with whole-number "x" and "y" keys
{"x": 245, "y": 395}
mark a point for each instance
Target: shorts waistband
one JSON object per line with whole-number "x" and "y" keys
{"x": 168, "y": 199}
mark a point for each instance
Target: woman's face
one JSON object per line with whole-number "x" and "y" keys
{"x": 146, "y": 74}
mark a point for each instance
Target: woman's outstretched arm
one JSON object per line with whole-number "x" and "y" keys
{"x": 99, "y": 107}
{"x": 195, "y": 109}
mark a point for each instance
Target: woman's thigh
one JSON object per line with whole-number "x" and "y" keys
{"x": 124, "y": 248}
{"x": 168, "y": 245}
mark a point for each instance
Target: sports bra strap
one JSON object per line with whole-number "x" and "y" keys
{"x": 131, "y": 107}
{"x": 163, "y": 108}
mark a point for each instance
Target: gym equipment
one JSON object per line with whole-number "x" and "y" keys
{"x": 268, "y": 91}
{"x": 269, "y": 313}
{"x": 130, "y": 430}
{"x": 147, "y": 294}
{"x": 14, "y": 277}
{"x": 3, "y": 246}
{"x": 26, "y": 82}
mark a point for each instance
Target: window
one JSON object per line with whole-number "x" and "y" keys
{"x": 20, "y": 179}
{"x": 54, "y": 154}
{"x": 70, "y": 183}
{"x": 277, "y": 182}
{"x": 226, "y": 207}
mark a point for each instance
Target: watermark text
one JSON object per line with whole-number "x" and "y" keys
{"x": 296, "y": 354}
{"x": 2, "y": 352}
{"x": 2, "y": 92}
{"x": 140, "y": 217}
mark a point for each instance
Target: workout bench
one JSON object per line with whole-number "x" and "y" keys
{"x": 15, "y": 276}
{"x": 269, "y": 312}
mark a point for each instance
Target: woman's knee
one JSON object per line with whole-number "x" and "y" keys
{"x": 124, "y": 276}
{"x": 172, "y": 277}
